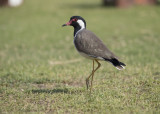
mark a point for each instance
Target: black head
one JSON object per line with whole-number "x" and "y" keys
{"x": 76, "y": 22}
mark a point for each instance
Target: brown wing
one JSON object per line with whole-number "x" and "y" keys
{"x": 88, "y": 43}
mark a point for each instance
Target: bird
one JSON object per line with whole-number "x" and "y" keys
{"x": 91, "y": 47}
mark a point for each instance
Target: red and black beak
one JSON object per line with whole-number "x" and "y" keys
{"x": 67, "y": 24}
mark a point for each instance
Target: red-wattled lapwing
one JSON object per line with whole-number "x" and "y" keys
{"x": 90, "y": 46}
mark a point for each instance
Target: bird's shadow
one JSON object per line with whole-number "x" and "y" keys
{"x": 58, "y": 90}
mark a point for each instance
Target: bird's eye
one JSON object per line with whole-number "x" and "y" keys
{"x": 75, "y": 19}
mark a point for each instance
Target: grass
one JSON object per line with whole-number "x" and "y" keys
{"x": 41, "y": 71}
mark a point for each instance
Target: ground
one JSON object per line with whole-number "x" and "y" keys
{"x": 41, "y": 71}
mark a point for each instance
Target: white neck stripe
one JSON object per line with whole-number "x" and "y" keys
{"x": 81, "y": 23}
{"x": 78, "y": 32}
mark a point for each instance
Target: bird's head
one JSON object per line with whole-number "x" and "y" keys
{"x": 76, "y": 21}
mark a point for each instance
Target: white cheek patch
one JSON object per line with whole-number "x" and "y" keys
{"x": 81, "y": 23}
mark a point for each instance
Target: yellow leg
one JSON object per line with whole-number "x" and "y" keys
{"x": 93, "y": 74}
{"x": 87, "y": 80}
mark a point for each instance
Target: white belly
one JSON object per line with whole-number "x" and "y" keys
{"x": 90, "y": 56}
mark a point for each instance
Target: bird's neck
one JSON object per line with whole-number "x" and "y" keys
{"x": 77, "y": 29}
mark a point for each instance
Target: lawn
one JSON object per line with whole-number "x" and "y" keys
{"x": 41, "y": 71}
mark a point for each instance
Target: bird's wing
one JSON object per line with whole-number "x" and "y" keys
{"x": 88, "y": 43}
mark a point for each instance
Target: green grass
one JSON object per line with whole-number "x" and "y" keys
{"x": 41, "y": 71}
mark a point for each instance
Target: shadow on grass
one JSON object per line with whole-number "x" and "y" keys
{"x": 58, "y": 90}
{"x": 95, "y": 6}
{"x": 158, "y": 3}
{"x": 87, "y": 6}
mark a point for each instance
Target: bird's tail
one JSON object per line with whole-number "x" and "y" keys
{"x": 119, "y": 65}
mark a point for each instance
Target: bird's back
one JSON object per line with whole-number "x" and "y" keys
{"x": 88, "y": 43}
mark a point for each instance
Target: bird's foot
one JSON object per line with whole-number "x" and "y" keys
{"x": 87, "y": 83}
